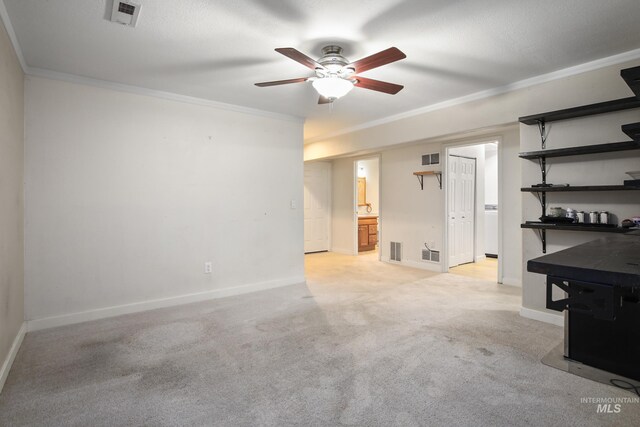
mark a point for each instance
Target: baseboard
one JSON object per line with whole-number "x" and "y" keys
{"x": 13, "y": 351}
{"x": 102, "y": 313}
{"x": 554, "y": 319}
{"x": 480, "y": 258}
{"x": 426, "y": 265}
{"x": 510, "y": 281}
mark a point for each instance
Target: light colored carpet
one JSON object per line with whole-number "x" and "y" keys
{"x": 486, "y": 269}
{"x": 364, "y": 343}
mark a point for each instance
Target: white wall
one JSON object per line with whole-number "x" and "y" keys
{"x": 370, "y": 169}
{"x": 567, "y": 90}
{"x": 481, "y": 115}
{"x": 410, "y": 215}
{"x": 342, "y": 206}
{"x": 128, "y": 196}
{"x": 413, "y": 216}
{"x": 600, "y": 169}
{"x": 491, "y": 174}
{"x": 11, "y": 203}
{"x": 510, "y": 207}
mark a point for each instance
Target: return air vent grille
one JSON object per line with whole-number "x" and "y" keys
{"x": 125, "y": 12}
{"x": 126, "y": 8}
{"x": 431, "y": 159}
{"x": 396, "y": 251}
{"x": 428, "y": 255}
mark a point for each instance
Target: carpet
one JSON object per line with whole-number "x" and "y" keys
{"x": 362, "y": 343}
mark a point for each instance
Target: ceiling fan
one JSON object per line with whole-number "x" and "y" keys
{"x": 336, "y": 76}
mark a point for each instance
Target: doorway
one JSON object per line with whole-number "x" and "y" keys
{"x": 472, "y": 210}
{"x": 367, "y": 205}
{"x": 461, "y": 176}
{"x": 317, "y": 206}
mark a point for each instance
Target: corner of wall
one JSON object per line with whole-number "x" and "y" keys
{"x": 11, "y": 356}
{"x": 541, "y": 316}
{"x": 512, "y": 281}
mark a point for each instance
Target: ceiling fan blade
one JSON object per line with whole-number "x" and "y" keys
{"x": 282, "y": 82}
{"x": 377, "y": 59}
{"x": 324, "y": 100}
{"x": 377, "y": 85}
{"x": 298, "y": 56}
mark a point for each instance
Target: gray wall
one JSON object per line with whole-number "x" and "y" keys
{"x": 11, "y": 196}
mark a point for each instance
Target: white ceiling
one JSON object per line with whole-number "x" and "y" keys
{"x": 217, "y": 49}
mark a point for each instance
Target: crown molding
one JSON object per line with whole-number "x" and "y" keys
{"x": 73, "y": 78}
{"x": 4, "y": 15}
{"x": 105, "y": 84}
{"x": 522, "y": 84}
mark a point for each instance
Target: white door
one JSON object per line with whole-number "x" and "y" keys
{"x": 316, "y": 206}
{"x": 461, "y": 185}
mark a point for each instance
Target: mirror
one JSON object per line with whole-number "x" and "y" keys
{"x": 362, "y": 191}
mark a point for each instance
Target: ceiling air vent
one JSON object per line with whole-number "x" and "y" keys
{"x": 125, "y": 12}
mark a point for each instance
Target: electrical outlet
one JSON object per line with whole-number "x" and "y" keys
{"x": 293, "y": 204}
{"x": 208, "y": 267}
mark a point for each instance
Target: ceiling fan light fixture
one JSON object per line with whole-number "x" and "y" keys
{"x": 332, "y": 87}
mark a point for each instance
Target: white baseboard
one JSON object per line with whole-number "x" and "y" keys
{"x": 430, "y": 266}
{"x": 510, "y": 281}
{"x": 102, "y": 313}
{"x": 480, "y": 258}
{"x": 554, "y": 319}
{"x": 13, "y": 351}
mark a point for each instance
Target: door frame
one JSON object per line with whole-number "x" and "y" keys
{"x": 378, "y": 157}
{"x": 445, "y": 188}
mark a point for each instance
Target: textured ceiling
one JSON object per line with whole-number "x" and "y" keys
{"x": 217, "y": 49}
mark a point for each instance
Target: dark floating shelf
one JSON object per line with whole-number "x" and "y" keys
{"x": 585, "y": 149}
{"x": 575, "y": 227}
{"x": 632, "y": 77}
{"x": 559, "y": 188}
{"x": 633, "y": 130}
{"x": 582, "y": 111}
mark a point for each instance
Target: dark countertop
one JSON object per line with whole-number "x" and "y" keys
{"x": 613, "y": 260}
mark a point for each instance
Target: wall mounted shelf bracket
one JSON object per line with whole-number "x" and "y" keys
{"x": 542, "y": 127}
{"x": 420, "y": 176}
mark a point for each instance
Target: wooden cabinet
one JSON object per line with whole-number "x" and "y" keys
{"x": 367, "y": 233}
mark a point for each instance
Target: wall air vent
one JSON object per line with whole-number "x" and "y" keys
{"x": 431, "y": 159}
{"x": 396, "y": 251}
{"x": 429, "y": 255}
{"x": 125, "y": 12}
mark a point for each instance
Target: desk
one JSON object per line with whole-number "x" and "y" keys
{"x": 601, "y": 280}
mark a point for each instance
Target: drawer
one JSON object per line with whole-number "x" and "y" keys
{"x": 368, "y": 221}
{"x": 373, "y": 229}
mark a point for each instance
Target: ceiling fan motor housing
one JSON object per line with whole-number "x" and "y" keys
{"x": 334, "y": 63}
